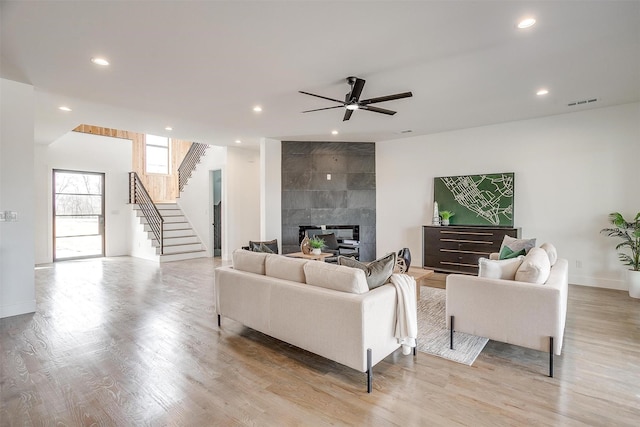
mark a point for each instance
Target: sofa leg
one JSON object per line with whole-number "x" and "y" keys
{"x": 369, "y": 372}
{"x": 415, "y": 349}
{"x": 219, "y": 321}
{"x": 551, "y": 357}
{"x": 451, "y": 335}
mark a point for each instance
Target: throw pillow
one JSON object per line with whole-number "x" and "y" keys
{"x": 551, "y": 251}
{"x": 265, "y": 248}
{"x": 507, "y": 253}
{"x": 271, "y": 245}
{"x": 535, "y": 267}
{"x": 376, "y": 272}
{"x": 512, "y": 247}
{"x": 499, "y": 269}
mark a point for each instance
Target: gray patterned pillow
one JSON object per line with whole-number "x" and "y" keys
{"x": 376, "y": 272}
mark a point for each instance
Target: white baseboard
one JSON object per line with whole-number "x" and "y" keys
{"x": 619, "y": 285}
{"x": 17, "y": 309}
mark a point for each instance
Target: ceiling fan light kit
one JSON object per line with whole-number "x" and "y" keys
{"x": 352, "y": 100}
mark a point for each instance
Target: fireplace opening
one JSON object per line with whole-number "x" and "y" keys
{"x": 348, "y": 236}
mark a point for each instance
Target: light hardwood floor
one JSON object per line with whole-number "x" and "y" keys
{"x": 126, "y": 342}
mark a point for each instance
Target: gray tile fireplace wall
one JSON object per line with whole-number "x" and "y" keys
{"x": 347, "y": 198}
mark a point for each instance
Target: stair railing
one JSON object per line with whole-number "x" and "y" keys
{"x": 191, "y": 159}
{"x": 139, "y": 195}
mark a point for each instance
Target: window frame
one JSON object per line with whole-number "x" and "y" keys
{"x": 148, "y": 144}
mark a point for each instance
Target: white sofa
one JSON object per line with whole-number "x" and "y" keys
{"x": 324, "y": 308}
{"x": 526, "y": 314}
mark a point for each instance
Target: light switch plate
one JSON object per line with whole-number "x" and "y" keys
{"x": 11, "y": 216}
{"x": 3, "y": 217}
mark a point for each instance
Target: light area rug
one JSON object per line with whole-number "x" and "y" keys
{"x": 433, "y": 335}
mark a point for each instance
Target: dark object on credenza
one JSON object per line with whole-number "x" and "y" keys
{"x": 456, "y": 249}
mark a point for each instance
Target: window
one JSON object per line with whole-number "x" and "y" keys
{"x": 78, "y": 214}
{"x": 157, "y": 154}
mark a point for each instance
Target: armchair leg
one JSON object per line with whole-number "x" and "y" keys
{"x": 551, "y": 357}
{"x": 219, "y": 321}
{"x": 451, "y": 335}
{"x": 369, "y": 372}
{"x": 415, "y": 349}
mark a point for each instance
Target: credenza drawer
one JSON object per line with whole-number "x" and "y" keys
{"x": 457, "y": 249}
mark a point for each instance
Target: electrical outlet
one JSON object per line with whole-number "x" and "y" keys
{"x": 11, "y": 216}
{"x": 578, "y": 264}
{"x": 3, "y": 217}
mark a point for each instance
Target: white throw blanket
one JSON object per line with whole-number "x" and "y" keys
{"x": 406, "y": 311}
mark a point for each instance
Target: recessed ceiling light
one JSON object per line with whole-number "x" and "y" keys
{"x": 542, "y": 92}
{"x": 257, "y": 108}
{"x": 526, "y": 23}
{"x": 63, "y": 108}
{"x": 238, "y": 141}
{"x": 168, "y": 128}
{"x": 100, "y": 61}
{"x": 334, "y": 132}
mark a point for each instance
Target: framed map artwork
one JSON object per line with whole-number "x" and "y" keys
{"x": 477, "y": 199}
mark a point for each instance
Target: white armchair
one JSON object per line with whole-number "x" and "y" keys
{"x": 520, "y": 313}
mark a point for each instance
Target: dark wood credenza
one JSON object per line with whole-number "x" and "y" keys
{"x": 456, "y": 249}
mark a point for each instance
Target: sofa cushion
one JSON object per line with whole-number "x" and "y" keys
{"x": 249, "y": 261}
{"x": 376, "y": 272}
{"x": 535, "y": 267}
{"x": 282, "y": 267}
{"x": 499, "y": 269}
{"x": 512, "y": 247}
{"x": 551, "y": 251}
{"x": 336, "y": 277}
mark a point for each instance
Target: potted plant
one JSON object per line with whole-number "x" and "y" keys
{"x": 629, "y": 232}
{"x": 446, "y": 215}
{"x": 316, "y": 243}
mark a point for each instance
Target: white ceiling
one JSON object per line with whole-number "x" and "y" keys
{"x": 200, "y": 66}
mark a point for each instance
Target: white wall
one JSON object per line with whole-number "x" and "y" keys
{"x": 91, "y": 153}
{"x": 17, "y": 286}
{"x": 271, "y": 190}
{"x": 196, "y": 199}
{"x": 571, "y": 170}
{"x": 241, "y": 196}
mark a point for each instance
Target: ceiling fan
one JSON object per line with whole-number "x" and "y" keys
{"x": 352, "y": 100}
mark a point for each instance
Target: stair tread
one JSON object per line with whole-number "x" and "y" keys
{"x": 184, "y": 252}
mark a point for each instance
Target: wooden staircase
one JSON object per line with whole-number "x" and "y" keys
{"x": 180, "y": 240}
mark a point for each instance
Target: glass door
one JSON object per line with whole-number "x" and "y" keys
{"x": 217, "y": 213}
{"x": 78, "y": 214}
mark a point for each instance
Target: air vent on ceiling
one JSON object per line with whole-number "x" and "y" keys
{"x": 582, "y": 102}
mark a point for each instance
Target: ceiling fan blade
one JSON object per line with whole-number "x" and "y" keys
{"x": 323, "y": 97}
{"x": 347, "y": 115}
{"x": 386, "y": 98}
{"x": 377, "y": 110}
{"x": 356, "y": 90}
{"x": 326, "y": 108}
